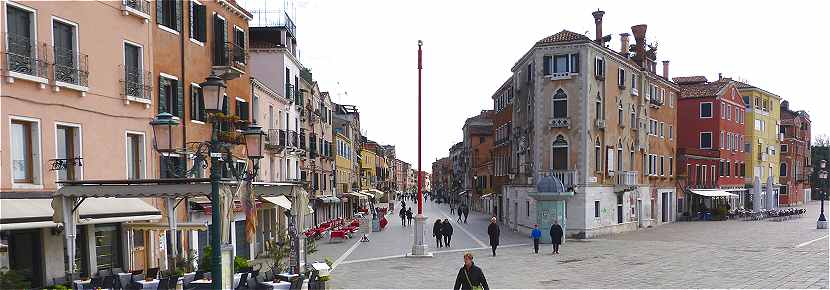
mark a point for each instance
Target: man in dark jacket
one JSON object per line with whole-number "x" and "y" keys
{"x": 446, "y": 231}
{"x": 556, "y": 236}
{"x": 460, "y": 213}
{"x": 409, "y": 215}
{"x": 437, "y": 232}
{"x": 493, "y": 232}
{"x": 470, "y": 275}
{"x": 403, "y": 215}
{"x": 466, "y": 213}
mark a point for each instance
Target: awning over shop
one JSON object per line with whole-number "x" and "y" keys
{"x": 18, "y": 214}
{"x": 164, "y": 188}
{"x": 713, "y": 193}
{"x": 376, "y": 193}
{"x": 280, "y": 201}
{"x": 329, "y": 199}
{"x": 164, "y": 227}
{"x": 489, "y": 195}
{"x": 357, "y": 195}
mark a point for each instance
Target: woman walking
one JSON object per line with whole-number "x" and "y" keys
{"x": 493, "y": 232}
{"x": 437, "y": 229}
{"x": 470, "y": 276}
{"x": 409, "y": 215}
{"x": 447, "y": 232}
{"x": 556, "y": 236}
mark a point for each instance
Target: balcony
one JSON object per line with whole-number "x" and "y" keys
{"x": 24, "y": 59}
{"x": 276, "y": 140}
{"x": 654, "y": 102}
{"x": 600, "y": 124}
{"x": 136, "y": 85}
{"x": 559, "y": 123}
{"x": 567, "y": 177}
{"x": 273, "y": 18}
{"x": 229, "y": 60}
{"x": 626, "y": 178}
{"x": 559, "y": 76}
{"x": 140, "y": 8}
{"x": 70, "y": 69}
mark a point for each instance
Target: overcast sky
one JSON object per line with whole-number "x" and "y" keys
{"x": 365, "y": 53}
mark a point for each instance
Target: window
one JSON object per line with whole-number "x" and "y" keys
{"x": 220, "y": 37}
{"x": 620, "y": 116}
{"x": 559, "y": 154}
{"x": 25, "y": 151}
{"x": 173, "y": 166}
{"x": 783, "y": 170}
{"x": 722, "y": 111}
{"x": 68, "y": 147}
{"x": 169, "y": 14}
{"x": 619, "y": 208}
{"x": 728, "y": 168}
{"x": 134, "y": 72}
{"x": 705, "y": 140}
{"x": 242, "y": 109}
{"x": 722, "y": 138}
{"x": 599, "y": 67}
{"x": 671, "y": 166}
{"x": 198, "y": 21}
{"x": 239, "y": 50}
{"x": 66, "y": 57}
{"x": 596, "y": 208}
{"x": 662, "y": 169}
{"x": 621, "y": 77}
{"x": 705, "y": 110}
{"x": 661, "y": 130}
{"x": 560, "y": 104}
{"x": 597, "y": 157}
{"x": 108, "y": 246}
{"x": 634, "y": 80}
{"x": 721, "y": 169}
{"x": 784, "y": 148}
{"x": 671, "y": 132}
{"x": 599, "y": 110}
{"x": 633, "y": 118}
{"x": 20, "y": 40}
{"x": 529, "y": 72}
{"x": 527, "y": 206}
{"x": 135, "y": 156}
{"x": 170, "y": 95}
{"x": 560, "y": 64}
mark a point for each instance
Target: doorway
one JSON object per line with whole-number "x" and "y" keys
{"x": 665, "y": 207}
{"x": 26, "y": 256}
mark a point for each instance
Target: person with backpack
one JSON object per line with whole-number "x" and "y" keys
{"x": 470, "y": 276}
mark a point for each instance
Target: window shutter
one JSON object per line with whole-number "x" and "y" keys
{"x": 575, "y": 63}
{"x": 159, "y": 11}
{"x": 194, "y": 103}
{"x": 546, "y": 65}
{"x": 202, "y": 19}
{"x": 163, "y": 97}
{"x": 180, "y": 100}
{"x": 193, "y": 22}
{"x": 179, "y": 14}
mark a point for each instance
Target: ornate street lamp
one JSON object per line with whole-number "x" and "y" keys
{"x": 213, "y": 92}
{"x": 253, "y": 142}
{"x": 163, "y": 131}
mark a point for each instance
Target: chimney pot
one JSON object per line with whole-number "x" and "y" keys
{"x": 639, "y": 32}
{"x": 598, "y": 21}
{"x": 666, "y": 69}
{"x": 624, "y": 43}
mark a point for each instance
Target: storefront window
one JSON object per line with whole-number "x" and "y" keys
{"x": 108, "y": 246}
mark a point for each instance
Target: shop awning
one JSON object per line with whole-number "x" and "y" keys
{"x": 18, "y": 214}
{"x": 164, "y": 188}
{"x": 376, "y": 193}
{"x": 329, "y": 199}
{"x": 164, "y": 227}
{"x": 280, "y": 201}
{"x": 489, "y": 195}
{"x": 463, "y": 192}
{"x": 357, "y": 195}
{"x": 713, "y": 193}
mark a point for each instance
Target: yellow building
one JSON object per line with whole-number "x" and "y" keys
{"x": 344, "y": 172}
{"x": 368, "y": 165}
{"x": 763, "y": 117}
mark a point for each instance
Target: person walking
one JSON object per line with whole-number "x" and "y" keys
{"x": 470, "y": 276}
{"x": 535, "y": 234}
{"x": 493, "y": 232}
{"x": 452, "y": 208}
{"x": 409, "y": 215}
{"x": 403, "y": 216}
{"x": 447, "y": 232}
{"x": 556, "y": 236}
{"x": 466, "y": 213}
{"x": 460, "y": 214}
{"x": 437, "y": 231}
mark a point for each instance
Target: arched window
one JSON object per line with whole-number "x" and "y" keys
{"x": 783, "y": 169}
{"x": 599, "y": 109}
{"x": 560, "y": 104}
{"x": 631, "y": 157}
{"x": 633, "y": 117}
{"x": 597, "y": 156}
{"x": 559, "y": 154}
{"x": 620, "y": 116}
{"x": 620, "y": 153}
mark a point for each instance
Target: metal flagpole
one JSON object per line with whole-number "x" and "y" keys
{"x": 419, "y": 248}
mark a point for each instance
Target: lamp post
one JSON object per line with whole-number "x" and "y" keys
{"x": 164, "y": 142}
{"x": 822, "y": 174}
{"x": 419, "y": 248}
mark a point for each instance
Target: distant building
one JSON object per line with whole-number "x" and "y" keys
{"x": 796, "y": 166}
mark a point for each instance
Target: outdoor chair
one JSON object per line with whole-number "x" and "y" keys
{"x": 152, "y": 272}
{"x": 96, "y": 283}
{"x": 243, "y": 282}
{"x": 164, "y": 284}
{"x": 109, "y": 282}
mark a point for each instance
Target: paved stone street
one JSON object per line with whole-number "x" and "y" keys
{"x": 728, "y": 254}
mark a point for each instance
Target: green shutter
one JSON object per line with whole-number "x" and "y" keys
{"x": 160, "y": 11}
{"x": 180, "y": 100}
{"x": 163, "y": 97}
{"x": 202, "y": 17}
{"x": 192, "y": 20}
{"x": 546, "y": 65}
{"x": 179, "y": 15}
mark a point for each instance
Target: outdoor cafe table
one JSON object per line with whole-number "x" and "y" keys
{"x": 152, "y": 284}
{"x": 282, "y": 285}
{"x": 236, "y": 278}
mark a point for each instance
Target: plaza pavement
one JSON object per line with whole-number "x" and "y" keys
{"x": 725, "y": 254}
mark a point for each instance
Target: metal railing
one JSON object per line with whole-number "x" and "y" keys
{"x": 22, "y": 55}
{"x": 136, "y": 83}
{"x": 230, "y": 54}
{"x": 559, "y": 122}
{"x": 655, "y": 101}
{"x": 273, "y": 18}
{"x": 626, "y": 178}
{"x": 142, "y": 6}
{"x": 276, "y": 138}
{"x": 70, "y": 66}
{"x": 567, "y": 177}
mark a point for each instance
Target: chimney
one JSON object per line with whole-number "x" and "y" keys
{"x": 624, "y": 43}
{"x": 598, "y": 21}
{"x": 639, "y": 32}
{"x": 666, "y": 69}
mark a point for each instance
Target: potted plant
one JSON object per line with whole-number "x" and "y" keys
{"x": 278, "y": 250}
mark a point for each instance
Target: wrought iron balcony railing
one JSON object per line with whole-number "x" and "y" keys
{"x": 230, "y": 55}
{"x": 273, "y": 18}
{"x": 142, "y": 6}
{"x": 559, "y": 122}
{"x": 626, "y": 178}
{"x": 22, "y": 55}
{"x": 276, "y": 139}
{"x": 567, "y": 177}
{"x": 70, "y": 66}
{"x": 136, "y": 84}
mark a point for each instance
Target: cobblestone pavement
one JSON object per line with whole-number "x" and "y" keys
{"x": 727, "y": 254}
